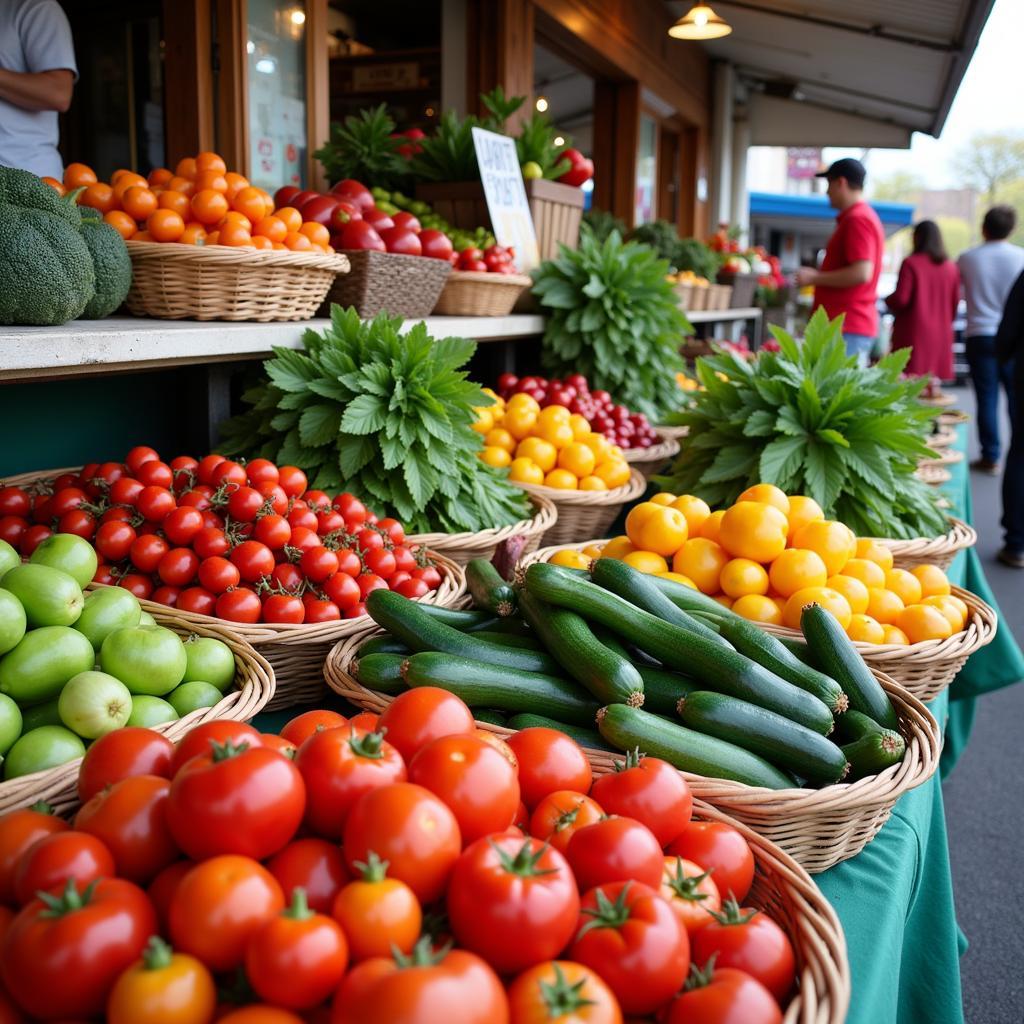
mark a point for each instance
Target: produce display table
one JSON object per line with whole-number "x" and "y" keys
{"x": 752, "y": 315}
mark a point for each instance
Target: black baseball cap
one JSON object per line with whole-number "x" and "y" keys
{"x": 852, "y": 170}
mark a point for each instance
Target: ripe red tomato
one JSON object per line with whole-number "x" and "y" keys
{"x": 436, "y": 244}
{"x": 425, "y": 713}
{"x": 227, "y": 472}
{"x": 304, "y": 538}
{"x": 154, "y": 503}
{"x": 561, "y": 814}
{"x": 12, "y": 530}
{"x": 301, "y": 515}
{"x": 197, "y": 600}
{"x": 318, "y": 563}
{"x": 288, "y": 576}
{"x": 113, "y": 540}
{"x": 512, "y": 901}
{"x": 262, "y": 471}
{"x": 49, "y": 864}
{"x": 207, "y": 464}
{"x": 147, "y": 550}
{"x": 338, "y": 767}
{"x": 78, "y": 522}
{"x": 185, "y": 471}
{"x": 247, "y": 801}
{"x": 166, "y": 595}
{"x": 314, "y": 865}
{"x": 217, "y": 574}
{"x": 139, "y": 456}
{"x": 277, "y": 743}
{"x": 64, "y": 964}
{"x": 154, "y": 473}
{"x": 368, "y": 582}
{"x": 401, "y": 240}
{"x": 219, "y": 905}
{"x": 66, "y": 499}
{"x": 283, "y": 608}
{"x": 253, "y": 560}
{"x": 614, "y": 850}
{"x": 129, "y": 818}
{"x": 122, "y": 754}
{"x": 14, "y": 502}
{"x": 411, "y": 829}
{"x": 210, "y": 542}
{"x": 405, "y": 560}
{"x": 181, "y": 525}
{"x": 562, "y": 990}
{"x": 32, "y": 538}
{"x": 473, "y": 779}
{"x": 720, "y": 995}
{"x": 632, "y": 938}
{"x": 134, "y": 583}
{"x": 178, "y": 567}
{"x": 429, "y": 574}
{"x": 381, "y": 562}
{"x": 720, "y": 849}
{"x": 18, "y": 831}
{"x": 367, "y": 721}
{"x": 320, "y": 611}
{"x": 162, "y": 889}
{"x": 239, "y": 606}
{"x": 691, "y": 892}
{"x": 359, "y": 234}
{"x": 273, "y": 530}
{"x": 292, "y": 480}
{"x": 273, "y": 494}
{"x": 750, "y": 941}
{"x": 548, "y": 761}
{"x": 125, "y": 491}
{"x": 201, "y": 738}
{"x": 301, "y": 727}
{"x": 351, "y": 508}
{"x": 244, "y": 503}
{"x": 410, "y": 588}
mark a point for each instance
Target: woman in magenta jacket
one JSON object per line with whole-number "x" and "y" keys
{"x": 924, "y": 304}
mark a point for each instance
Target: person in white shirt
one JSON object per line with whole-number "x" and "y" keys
{"x": 37, "y": 76}
{"x": 988, "y": 272}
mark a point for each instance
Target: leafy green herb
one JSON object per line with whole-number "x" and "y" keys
{"x": 808, "y": 420}
{"x": 602, "y": 223}
{"x": 615, "y": 319}
{"x": 386, "y": 415}
{"x": 363, "y": 148}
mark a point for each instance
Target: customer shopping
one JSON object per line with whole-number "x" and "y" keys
{"x": 1010, "y": 352}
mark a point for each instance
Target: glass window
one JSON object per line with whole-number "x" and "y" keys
{"x": 646, "y": 171}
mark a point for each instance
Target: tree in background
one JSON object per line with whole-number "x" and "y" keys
{"x": 900, "y": 187}
{"x": 990, "y": 162}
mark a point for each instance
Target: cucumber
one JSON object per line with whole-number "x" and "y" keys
{"x": 689, "y": 599}
{"x": 778, "y": 740}
{"x": 513, "y": 626}
{"x": 464, "y": 619}
{"x": 380, "y": 672}
{"x": 874, "y": 753}
{"x": 663, "y": 690}
{"x": 854, "y": 725}
{"x": 485, "y": 685}
{"x": 526, "y": 643}
{"x": 609, "y": 676}
{"x": 490, "y": 715}
{"x": 717, "y": 668}
{"x": 584, "y": 737}
{"x": 799, "y": 650}
{"x": 490, "y": 592}
{"x": 838, "y": 657}
{"x": 630, "y": 728}
{"x": 383, "y": 643}
{"x": 407, "y": 621}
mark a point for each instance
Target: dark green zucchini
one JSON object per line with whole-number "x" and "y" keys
{"x": 490, "y": 592}
{"x": 490, "y": 715}
{"x": 799, "y": 649}
{"x": 464, "y": 619}
{"x": 382, "y": 643}
{"x": 513, "y": 626}
{"x": 663, "y": 690}
{"x": 494, "y": 636}
{"x": 854, "y": 725}
{"x": 584, "y": 737}
{"x": 689, "y": 598}
{"x": 380, "y": 672}
{"x": 874, "y": 753}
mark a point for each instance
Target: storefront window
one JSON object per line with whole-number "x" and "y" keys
{"x": 276, "y": 46}
{"x": 646, "y": 170}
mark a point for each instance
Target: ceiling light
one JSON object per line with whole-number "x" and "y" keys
{"x": 558, "y": 140}
{"x": 700, "y": 23}
{"x": 541, "y": 103}
{"x": 298, "y": 17}
{"x": 266, "y": 65}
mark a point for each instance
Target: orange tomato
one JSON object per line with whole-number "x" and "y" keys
{"x": 523, "y": 470}
{"x": 232, "y": 233}
{"x": 209, "y": 207}
{"x": 377, "y": 913}
{"x": 530, "y": 996}
{"x": 176, "y": 201}
{"x": 795, "y": 569}
{"x": 558, "y": 433}
{"x": 99, "y": 197}
{"x": 614, "y": 472}
{"x": 172, "y": 988}
{"x": 852, "y": 589}
{"x": 646, "y": 561}
{"x": 291, "y": 217}
{"x": 234, "y": 217}
{"x": 741, "y": 576}
{"x": 139, "y": 202}
{"x": 562, "y": 479}
{"x": 538, "y": 451}
{"x": 142, "y": 236}
{"x": 950, "y": 607}
{"x": 866, "y": 630}
{"x": 250, "y": 201}
{"x": 236, "y": 182}
{"x": 617, "y": 547}
{"x": 186, "y": 168}
{"x": 121, "y": 223}
{"x": 657, "y": 528}
{"x": 186, "y": 186}
{"x": 885, "y": 606}
{"x": 79, "y": 175}
{"x": 56, "y": 185}
{"x": 905, "y": 584}
{"x": 259, "y": 242}
{"x": 871, "y": 574}
{"x": 802, "y": 510}
{"x": 297, "y": 242}
{"x": 767, "y": 494}
{"x": 211, "y": 180}
{"x": 316, "y": 233}
{"x": 208, "y": 161}
{"x": 834, "y": 541}
{"x": 194, "y": 234}
{"x": 924, "y": 622}
{"x": 932, "y": 579}
{"x": 695, "y": 510}
{"x": 894, "y": 635}
{"x": 702, "y": 560}
{"x": 165, "y": 226}
{"x": 691, "y": 892}
{"x": 873, "y": 551}
{"x": 158, "y": 177}
{"x": 212, "y": 238}
{"x": 271, "y": 227}
{"x": 758, "y": 608}
{"x": 711, "y": 527}
{"x": 752, "y": 529}
{"x": 831, "y": 600}
{"x": 128, "y": 180}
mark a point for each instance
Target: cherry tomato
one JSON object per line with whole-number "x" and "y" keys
{"x": 162, "y": 889}
{"x": 405, "y": 560}
{"x": 207, "y": 464}
{"x": 66, "y": 499}
{"x": 300, "y": 514}
{"x": 125, "y": 491}
{"x": 199, "y": 499}
{"x": 140, "y": 586}
{"x": 178, "y": 567}
{"x": 12, "y": 530}
{"x": 561, "y": 814}
{"x": 718, "y": 995}
{"x": 217, "y": 574}
{"x": 369, "y": 539}
{"x": 239, "y": 606}
{"x": 32, "y": 538}
{"x": 613, "y": 850}
{"x": 14, "y": 502}
{"x": 147, "y": 550}
{"x": 139, "y": 456}
{"x": 200, "y": 739}
{"x": 343, "y": 590}
{"x": 425, "y": 713}
{"x": 154, "y": 503}
{"x": 320, "y": 611}
{"x": 314, "y": 865}
{"x": 288, "y": 576}
{"x": 185, "y": 471}
{"x": 381, "y": 562}
{"x": 720, "y": 849}
{"x": 154, "y": 473}
{"x": 272, "y": 530}
{"x": 409, "y": 587}
{"x": 348, "y": 562}
{"x": 49, "y": 864}
{"x": 18, "y": 831}
{"x": 227, "y": 472}
{"x": 277, "y": 743}
{"x": 548, "y": 761}
{"x": 79, "y": 522}
{"x": 181, "y": 525}
{"x": 283, "y": 608}
{"x": 197, "y": 600}
{"x": 429, "y": 574}
{"x": 691, "y": 892}
{"x": 562, "y": 991}
{"x": 351, "y": 508}
{"x": 262, "y": 471}
{"x": 113, "y": 540}
{"x": 357, "y": 611}
{"x": 301, "y": 727}
{"x": 253, "y": 560}
{"x": 392, "y": 527}
{"x": 273, "y": 494}
{"x": 210, "y": 542}
{"x": 244, "y": 503}
{"x": 122, "y": 754}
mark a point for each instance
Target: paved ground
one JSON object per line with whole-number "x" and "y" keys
{"x": 984, "y": 810}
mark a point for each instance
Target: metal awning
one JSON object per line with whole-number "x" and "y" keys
{"x": 848, "y": 72}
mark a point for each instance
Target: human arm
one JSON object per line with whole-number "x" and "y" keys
{"x": 1010, "y": 336}
{"x": 41, "y": 90}
{"x": 858, "y": 272}
{"x": 899, "y": 301}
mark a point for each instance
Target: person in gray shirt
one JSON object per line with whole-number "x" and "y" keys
{"x": 988, "y": 272}
{"x": 37, "y": 76}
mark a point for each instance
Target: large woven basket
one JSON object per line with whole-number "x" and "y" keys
{"x": 386, "y": 282}
{"x": 938, "y": 551}
{"x": 478, "y": 293}
{"x": 219, "y": 282}
{"x": 942, "y": 438}
{"x": 254, "y": 688}
{"x": 584, "y": 514}
{"x": 650, "y": 460}
{"x": 952, "y": 418}
{"x": 944, "y": 457}
{"x": 673, "y": 433}
{"x": 462, "y": 548}
{"x": 931, "y": 474}
{"x": 943, "y": 400}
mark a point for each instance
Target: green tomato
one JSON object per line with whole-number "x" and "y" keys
{"x": 193, "y": 696}
{"x": 12, "y": 621}
{"x": 209, "y": 660}
{"x": 105, "y": 610}
{"x": 532, "y": 169}
{"x": 94, "y": 703}
{"x": 69, "y": 553}
{"x": 41, "y": 714}
{"x": 49, "y": 596}
{"x": 147, "y": 660}
{"x": 9, "y": 558}
{"x": 145, "y": 619}
{"x": 46, "y": 747}
{"x": 43, "y": 662}
{"x": 150, "y": 711}
{"x": 11, "y": 722}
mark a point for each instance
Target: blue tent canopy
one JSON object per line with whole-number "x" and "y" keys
{"x": 775, "y": 206}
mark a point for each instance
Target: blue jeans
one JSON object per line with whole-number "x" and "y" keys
{"x": 1013, "y": 478}
{"x": 859, "y": 345}
{"x": 986, "y": 375}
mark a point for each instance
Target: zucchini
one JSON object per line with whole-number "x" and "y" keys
{"x": 490, "y": 592}
{"x": 380, "y": 672}
{"x": 630, "y": 728}
{"x": 464, "y": 619}
{"x": 799, "y": 649}
{"x": 874, "y": 753}
{"x": 609, "y": 676}
{"x": 662, "y": 690}
{"x": 485, "y": 685}
{"x": 407, "y": 620}
{"x": 690, "y": 599}
{"x": 717, "y": 668}
{"x": 490, "y": 715}
{"x": 778, "y": 740}
{"x": 838, "y": 657}
{"x": 584, "y": 737}
{"x": 513, "y": 626}
{"x": 854, "y": 725}
{"x": 526, "y": 643}
{"x": 383, "y": 643}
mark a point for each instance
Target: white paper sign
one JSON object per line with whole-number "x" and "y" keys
{"x": 505, "y": 193}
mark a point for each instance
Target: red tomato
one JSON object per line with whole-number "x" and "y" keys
{"x": 248, "y": 801}
{"x": 274, "y": 742}
{"x": 154, "y": 503}
{"x": 283, "y": 608}
{"x": 114, "y": 539}
{"x": 178, "y": 567}
{"x": 381, "y": 562}
{"x": 139, "y": 456}
{"x": 217, "y": 574}
{"x": 320, "y": 611}
{"x": 219, "y": 905}
{"x": 721, "y": 995}
{"x": 632, "y": 938}
{"x": 154, "y": 474}
{"x": 253, "y": 560}
{"x": 64, "y": 964}
{"x": 512, "y": 901}
{"x": 288, "y": 576}
{"x": 48, "y": 865}
{"x": 562, "y": 991}
{"x": 301, "y": 727}
{"x": 473, "y": 779}
{"x": 614, "y": 850}
{"x": 210, "y": 542}
{"x": 78, "y": 522}
{"x": 272, "y": 530}
{"x": 238, "y": 605}
{"x": 338, "y": 767}
{"x": 351, "y": 508}
{"x": 260, "y": 1014}
{"x": 436, "y": 244}
{"x": 207, "y": 464}
{"x": 14, "y": 502}
{"x": 147, "y": 550}
{"x": 411, "y": 829}
{"x": 227, "y": 472}
{"x": 197, "y": 600}
{"x": 162, "y": 889}
{"x": 182, "y": 525}
{"x": 314, "y": 865}
{"x": 121, "y": 754}
{"x": 244, "y": 503}
{"x": 166, "y": 595}
{"x": 401, "y": 240}
{"x": 12, "y": 530}
{"x": 425, "y": 713}
{"x": 691, "y": 892}
{"x": 66, "y": 499}
{"x": 359, "y": 234}
{"x": 410, "y": 588}
{"x": 185, "y": 468}
{"x": 32, "y": 538}
{"x": 369, "y": 582}
{"x": 750, "y": 941}
{"x": 366, "y": 721}
{"x": 720, "y": 849}
{"x": 298, "y": 958}
{"x": 650, "y": 790}
{"x": 134, "y": 583}
{"x": 292, "y": 480}
{"x": 18, "y": 831}
{"x": 548, "y": 761}
{"x": 130, "y": 819}
{"x": 273, "y": 494}
{"x": 429, "y": 574}
{"x": 561, "y": 814}
{"x": 200, "y": 739}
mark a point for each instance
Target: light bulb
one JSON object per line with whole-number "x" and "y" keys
{"x": 298, "y": 17}
{"x": 541, "y": 104}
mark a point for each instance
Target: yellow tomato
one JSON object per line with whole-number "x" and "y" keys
{"x": 696, "y": 511}
{"x": 525, "y": 471}
{"x": 593, "y": 550}
{"x": 758, "y": 608}
{"x": 834, "y": 541}
{"x": 539, "y": 451}
{"x": 904, "y": 583}
{"x": 924, "y": 622}
{"x": 562, "y": 479}
{"x": 554, "y": 414}
{"x": 864, "y": 629}
{"x": 873, "y": 551}
{"x": 497, "y": 457}
{"x": 946, "y": 604}
{"x": 646, "y": 561}
{"x": 767, "y": 494}
{"x": 703, "y": 561}
{"x": 663, "y": 498}
{"x": 751, "y": 529}
{"x": 678, "y": 577}
{"x": 852, "y": 589}
{"x": 724, "y": 600}
{"x": 871, "y": 574}
{"x": 932, "y": 579}
{"x": 741, "y": 576}
{"x": 795, "y": 569}
{"x": 559, "y": 434}
{"x": 802, "y": 510}
{"x": 598, "y": 444}
{"x": 577, "y": 458}
{"x": 894, "y": 635}
{"x": 168, "y": 987}
{"x": 617, "y": 547}
{"x": 656, "y": 528}
{"x": 519, "y": 422}
{"x": 523, "y": 401}
{"x": 499, "y": 437}
{"x": 885, "y": 606}
{"x": 571, "y": 559}
{"x": 580, "y": 426}
{"x": 484, "y": 421}
{"x": 831, "y": 600}
{"x": 711, "y": 527}
{"x": 614, "y": 472}
{"x": 592, "y": 483}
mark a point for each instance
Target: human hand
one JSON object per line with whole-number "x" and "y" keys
{"x": 806, "y": 276}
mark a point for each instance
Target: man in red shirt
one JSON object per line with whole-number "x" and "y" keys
{"x": 847, "y": 282}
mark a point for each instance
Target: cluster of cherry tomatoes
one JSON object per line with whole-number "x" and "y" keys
{"x": 400, "y": 868}
{"x": 243, "y": 542}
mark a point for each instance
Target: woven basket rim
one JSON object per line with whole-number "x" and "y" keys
{"x": 949, "y": 457}
{"x": 952, "y": 417}
{"x": 960, "y": 535}
{"x": 486, "y": 277}
{"x": 543, "y": 519}
{"x": 940, "y": 401}
{"x": 668, "y": 430}
{"x": 932, "y": 474}
{"x": 660, "y": 452}
{"x": 616, "y": 496}
{"x": 228, "y": 255}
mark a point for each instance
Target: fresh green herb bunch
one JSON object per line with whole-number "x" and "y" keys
{"x": 808, "y": 420}
{"x": 602, "y": 223}
{"x": 661, "y": 236}
{"x": 614, "y": 318}
{"x": 364, "y": 148}
{"x": 536, "y": 143}
{"x": 693, "y": 254}
{"x": 385, "y": 415}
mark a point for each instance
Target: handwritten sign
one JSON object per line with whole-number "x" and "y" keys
{"x": 505, "y": 193}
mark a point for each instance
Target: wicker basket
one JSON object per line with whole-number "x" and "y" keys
{"x": 651, "y": 460}
{"x": 720, "y": 297}
{"x": 388, "y": 282}
{"x": 254, "y": 688}
{"x": 219, "y": 282}
{"x": 462, "y": 548}
{"x": 943, "y": 400}
{"x": 952, "y": 418}
{"x": 944, "y": 457}
{"x": 672, "y": 433}
{"x": 700, "y": 296}
{"x": 587, "y": 513}
{"x": 938, "y": 551}
{"x": 942, "y": 438}
{"x": 476, "y": 293}
{"x": 931, "y": 474}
